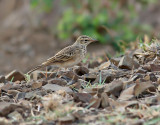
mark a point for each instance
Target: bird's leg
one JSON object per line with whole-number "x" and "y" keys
{"x": 73, "y": 77}
{"x": 54, "y": 72}
{"x": 57, "y": 72}
{"x": 46, "y": 73}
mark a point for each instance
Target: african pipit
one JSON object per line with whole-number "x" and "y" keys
{"x": 70, "y": 55}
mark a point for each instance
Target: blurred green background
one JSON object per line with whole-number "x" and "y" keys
{"x": 31, "y": 31}
{"x": 110, "y": 21}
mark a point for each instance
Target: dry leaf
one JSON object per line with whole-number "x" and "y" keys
{"x": 83, "y": 97}
{"x": 127, "y": 94}
{"x": 142, "y": 86}
{"x": 104, "y": 65}
{"x": 95, "y": 102}
{"x": 104, "y": 100}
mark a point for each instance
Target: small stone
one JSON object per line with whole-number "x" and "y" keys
{"x": 16, "y": 116}
{"x": 13, "y": 92}
{"x": 29, "y": 95}
{"x": 2, "y": 79}
{"x": 4, "y": 121}
{"x": 147, "y": 67}
{"x": 66, "y": 120}
{"x": 55, "y": 87}
{"x": 36, "y": 85}
{"x": 32, "y": 94}
{"x": 15, "y": 76}
{"x": 20, "y": 95}
{"x": 127, "y": 62}
{"x": 17, "y": 82}
{"x": 83, "y": 97}
{"x": 58, "y": 81}
{"x": 7, "y": 107}
{"x": 6, "y": 87}
{"x": 153, "y": 78}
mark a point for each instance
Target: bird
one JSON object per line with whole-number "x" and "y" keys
{"x": 69, "y": 56}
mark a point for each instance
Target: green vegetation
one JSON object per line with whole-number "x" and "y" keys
{"x": 43, "y": 5}
{"x": 112, "y": 22}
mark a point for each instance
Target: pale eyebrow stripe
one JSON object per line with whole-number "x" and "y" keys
{"x": 84, "y": 37}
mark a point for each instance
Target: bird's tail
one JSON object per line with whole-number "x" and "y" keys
{"x": 37, "y": 67}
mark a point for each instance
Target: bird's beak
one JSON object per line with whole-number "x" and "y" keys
{"x": 94, "y": 40}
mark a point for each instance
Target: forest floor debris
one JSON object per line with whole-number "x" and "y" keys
{"x": 122, "y": 90}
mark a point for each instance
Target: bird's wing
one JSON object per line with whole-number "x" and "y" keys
{"x": 64, "y": 55}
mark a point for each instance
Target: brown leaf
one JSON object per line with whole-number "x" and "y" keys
{"x": 83, "y": 97}
{"x": 123, "y": 105}
{"x": 114, "y": 87}
{"x": 95, "y": 102}
{"x": 104, "y": 100}
{"x": 127, "y": 94}
{"x": 104, "y": 65}
{"x": 128, "y": 63}
{"x": 142, "y": 86}
{"x": 15, "y": 76}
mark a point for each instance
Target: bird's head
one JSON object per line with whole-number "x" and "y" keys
{"x": 84, "y": 40}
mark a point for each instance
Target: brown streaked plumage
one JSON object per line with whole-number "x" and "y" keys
{"x": 68, "y": 56}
